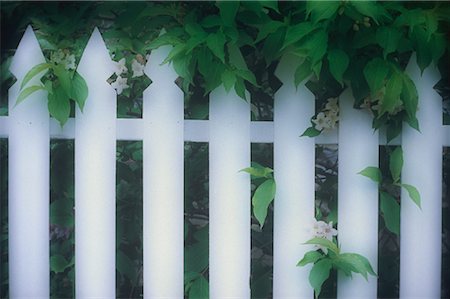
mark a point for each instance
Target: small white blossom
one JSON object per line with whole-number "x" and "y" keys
{"x": 120, "y": 67}
{"x": 325, "y": 231}
{"x": 332, "y": 105}
{"x": 57, "y": 57}
{"x": 70, "y": 62}
{"x": 138, "y": 69}
{"x": 120, "y": 84}
{"x": 321, "y": 121}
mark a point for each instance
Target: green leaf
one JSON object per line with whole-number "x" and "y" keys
{"x": 422, "y": 47}
{"x": 59, "y": 105}
{"x": 247, "y": 75}
{"x": 413, "y": 194}
{"x": 65, "y": 79}
{"x": 338, "y": 61}
{"x": 273, "y": 44}
{"x": 199, "y": 289}
{"x": 79, "y": 90}
{"x": 372, "y": 9}
{"x": 196, "y": 257}
{"x": 58, "y": 263}
{"x": 396, "y": 163}
{"x": 216, "y": 43}
{"x": 302, "y": 72}
{"x": 33, "y": 72}
{"x": 375, "y": 73}
{"x": 297, "y": 32}
{"x": 388, "y": 38}
{"x": 228, "y": 10}
{"x": 268, "y": 28}
{"x": 319, "y": 273}
{"x": 391, "y": 212}
{"x": 392, "y": 96}
{"x": 373, "y": 173}
{"x": 317, "y": 44}
{"x": 239, "y": 87}
{"x": 320, "y": 10}
{"x": 236, "y": 58}
{"x": 325, "y": 243}
{"x": 26, "y": 92}
{"x": 271, "y": 4}
{"x": 311, "y": 132}
{"x": 357, "y": 263}
{"x": 259, "y": 171}
{"x": 228, "y": 80}
{"x": 409, "y": 96}
{"x": 310, "y": 257}
{"x": 261, "y": 200}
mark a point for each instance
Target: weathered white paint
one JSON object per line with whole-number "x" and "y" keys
{"x": 357, "y": 196}
{"x": 29, "y": 160}
{"x": 421, "y": 229}
{"x": 95, "y": 177}
{"x": 163, "y": 181}
{"x": 229, "y": 196}
{"x": 294, "y": 159}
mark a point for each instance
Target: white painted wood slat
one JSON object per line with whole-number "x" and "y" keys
{"x": 229, "y": 196}
{"x": 421, "y": 229}
{"x": 357, "y": 195}
{"x": 29, "y": 167}
{"x": 294, "y": 175}
{"x": 95, "y": 177}
{"x": 163, "y": 181}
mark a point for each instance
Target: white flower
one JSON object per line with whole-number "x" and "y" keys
{"x": 70, "y": 62}
{"x": 321, "y": 121}
{"x": 138, "y": 69}
{"x": 120, "y": 84}
{"x": 120, "y": 67}
{"x": 325, "y": 231}
{"x": 332, "y": 105}
{"x": 332, "y": 118}
{"x": 57, "y": 57}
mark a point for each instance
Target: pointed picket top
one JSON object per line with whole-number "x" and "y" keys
{"x": 95, "y": 63}
{"x": 286, "y": 68}
{"x": 28, "y": 55}
{"x": 155, "y": 70}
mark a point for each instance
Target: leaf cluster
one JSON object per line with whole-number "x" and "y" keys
{"x": 389, "y": 205}
{"x": 334, "y": 259}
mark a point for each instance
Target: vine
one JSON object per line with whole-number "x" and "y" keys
{"x": 364, "y": 46}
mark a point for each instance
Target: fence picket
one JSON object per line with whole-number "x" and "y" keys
{"x": 29, "y": 154}
{"x": 294, "y": 174}
{"x": 421, "y": 229}
{"x": 229, "y": 196}
{"x": 95, "y": 165}
{"x": 357, "y": 195}
{"x": 163, "y": 181}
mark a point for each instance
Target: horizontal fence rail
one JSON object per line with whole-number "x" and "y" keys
{"x": 229, "y": 132}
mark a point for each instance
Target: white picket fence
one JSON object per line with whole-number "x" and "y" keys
{"x": 229, "y": 132}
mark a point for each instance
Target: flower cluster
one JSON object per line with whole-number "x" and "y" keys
{"x": 120, "y": 69}
{"x": 321, "y": 229}
{"x": 64, "y": 58}
{"x": 327, "y": 119}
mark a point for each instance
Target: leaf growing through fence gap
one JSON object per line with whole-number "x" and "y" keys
{"x": 325, "y": 243}
{"x": 391, "y": 212}
{"x": 259, "y": 171}
{"x": 59, "y": 105}
{"x": 311, "y": 132}
{"x": 261, "y": 200}
{"x": 319, "y": 273}
{"x": 372, "y": 173}
{"x": 199, "y": 288}
{"x": 26, "y": 92}
{"x": 310, "y": 257}
{"x": 338, "y": 61}
{"x": 396, "y": 163}
{"x": 79, "y": 90}
{"x": 413, "y": 193}
{"x": 33, "y": 72}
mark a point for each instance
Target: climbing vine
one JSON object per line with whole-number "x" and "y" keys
{"x": 357, "y": 45}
